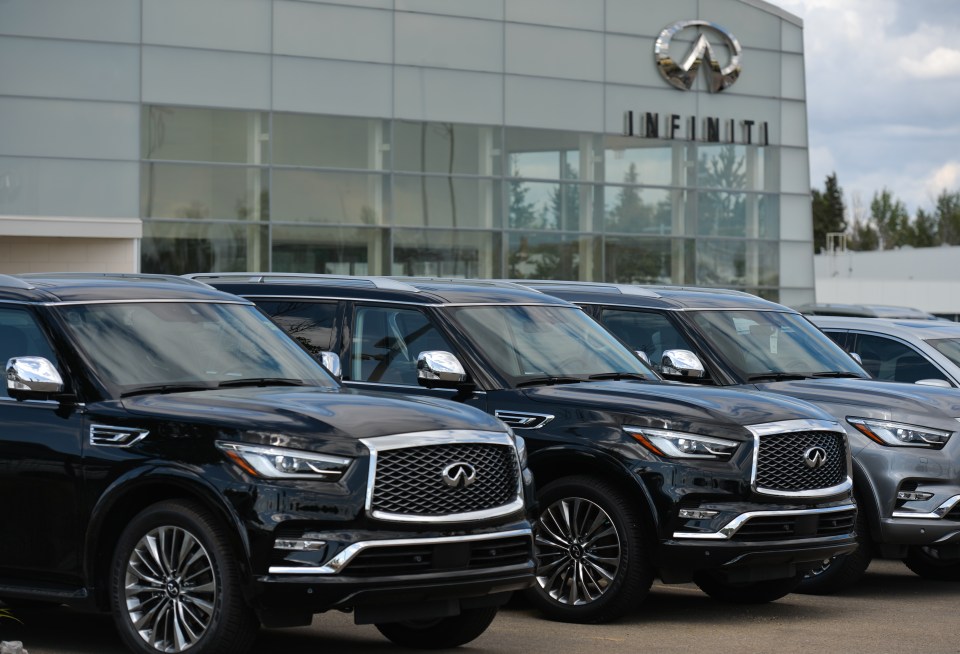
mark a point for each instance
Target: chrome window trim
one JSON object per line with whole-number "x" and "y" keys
{"x": 439, "y": 437}
{"x": 791, "y": 426}
{"x": 341, "y": 560}
{"x": 72, "y": 303}
{"x": 729, "y": 530}
{"x": 937, "y": 514}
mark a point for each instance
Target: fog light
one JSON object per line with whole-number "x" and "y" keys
{"x": 697, "y": 514}
{"x": 299, "y": 544}
{"x": 911, "y": 496}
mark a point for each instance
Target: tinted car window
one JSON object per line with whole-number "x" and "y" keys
{"x": 650, "y": 333}
{"x": 20, "y": 335}
{"x": 310, "y": 323}
{"x": 386, "y": 344}
{"x": 886, "y": 358}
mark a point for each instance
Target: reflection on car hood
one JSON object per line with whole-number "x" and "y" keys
{"x": 910, "y": 403}
{"x": 315, "y": 411}
{"x": 697, "y": 409}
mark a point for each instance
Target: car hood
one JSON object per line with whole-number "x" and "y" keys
{"x": 697, "y": 409}
{"x": 911, "y": 403}
{"x": 327, "y": 414}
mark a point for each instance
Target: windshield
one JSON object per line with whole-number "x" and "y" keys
{"x": 529, "y": 344}
{"x": 759, "y": 344}
{"x": 948, "y": 347}
{"x": 141, "y": 346}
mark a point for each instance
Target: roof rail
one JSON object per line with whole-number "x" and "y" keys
{"x": 498, "y": 283}
{"x": 9, "y": 281}
{"x": 622, "y": 289}
{"x": 139, "y": 277}
{"x": 305, "y": 278}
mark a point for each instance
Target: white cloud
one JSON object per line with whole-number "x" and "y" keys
{"x": 939, "y": 63}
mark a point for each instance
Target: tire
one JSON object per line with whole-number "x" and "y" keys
{"x": 931, "y": 563}
{"x": 593, "y": 564}
{"x": 175, "y": 584}
{"x": 841, "y": 572}
{"x": 441, "y": 633}
{"x": 756, "y": 592}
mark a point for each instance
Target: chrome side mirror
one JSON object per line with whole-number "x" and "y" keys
{"x": 643, "y": 356}
{"x": 439, "y": 368}
{"x": 32, "y": 378}
{"x": 681, "y": 363}
{"x": 942, "y": 383}
{"x": 856, "y": 357}
{"x": 331, "y": 361}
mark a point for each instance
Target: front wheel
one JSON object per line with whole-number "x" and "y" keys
{"x": 592, "y": 562}
{"x": 937, "y": 563}
{"x": 440, "y": 633}
{"x": 755, "y": 592}
{"x": 175, "y": 584}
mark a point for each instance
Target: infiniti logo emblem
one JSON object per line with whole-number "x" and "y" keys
{"x": 459, "y": 475}
{"x": 682, "y": 73}
{"x": 815, "y": 457}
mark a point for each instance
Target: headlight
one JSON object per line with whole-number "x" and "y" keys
{"x": 282, "y": 463}
{"x": 679, "y": 445}
{"x": 896, "y": 433}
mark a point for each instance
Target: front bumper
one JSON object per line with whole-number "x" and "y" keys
{"x": 758, "y": 544}
{"x": 402, "y": 576}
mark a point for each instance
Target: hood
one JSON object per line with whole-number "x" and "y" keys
{"x": 326, "y": 413}
{"x": 910, "y": 403}
{"x": 697, "y": 409}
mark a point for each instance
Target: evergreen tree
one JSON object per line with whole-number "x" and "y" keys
{"x": 947, "y": 216}
{"x": 925, "y": 230}
{"x": 891, "y": 220}
{"x": 829, "y": 212}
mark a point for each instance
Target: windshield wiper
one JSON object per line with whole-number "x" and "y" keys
{"x": 261, "y": 381}
{"x": 549, "y": 381}
{"x": 838, "y": 375}
{"x": 166, "y": 388}
{"x": 618, "y": 375}
{"x": 776, "y": 376}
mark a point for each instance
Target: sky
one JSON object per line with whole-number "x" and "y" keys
{"x": 883, "y": 97}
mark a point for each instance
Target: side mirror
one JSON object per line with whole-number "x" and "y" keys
{"x": 643, "y": 356}
{"x": 439, "y": 368}
{"x": 942, "y": 383}
{"x": 331, "y": 361}
{"x": 856, "y": 357}
{"x": 682, "y": 363}
{"x": 32, "y": 378}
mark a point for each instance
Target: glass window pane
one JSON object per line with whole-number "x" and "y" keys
{"x": 176, "y": 248}
{"x": 217, "y": 135}
{"x": 634, "y": 210}
{"x": 20, "y": 335}
{"x": 446, "y": 202}
{"x": 626, "y": 162}
{"x": 328, "y": 250}
{"x": 738, "y": 214}
{"x": 735, "y": 263}
{"x": 543, "y": 154}
{"x": 542, "y": 205}
{"x": 204, "y": 192}
{"x": 329, "y": 141}
{"x": 648, "y": 260}
{"x": 312, "y": 324}
{"x": 386, "y": 343}
{"x": 732, "y": 167}
{"x": 327, "y": 198}
{"x": 446, "y": 148}
{"x": 534, "y": 255}
{"x": 446, "y": 253}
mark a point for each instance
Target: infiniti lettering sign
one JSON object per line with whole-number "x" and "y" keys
{"x": 682, "y": 73}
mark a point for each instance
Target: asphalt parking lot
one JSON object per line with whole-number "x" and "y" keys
{"x": 892, "y": 610}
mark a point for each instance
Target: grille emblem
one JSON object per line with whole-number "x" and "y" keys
{"x": 461, "y": 474}
{"x": 815, "y": 457}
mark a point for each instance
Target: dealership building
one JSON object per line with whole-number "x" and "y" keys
{"x": 606, "y": 140}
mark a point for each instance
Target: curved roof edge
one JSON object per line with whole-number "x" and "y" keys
{"x": 773, "y": 9}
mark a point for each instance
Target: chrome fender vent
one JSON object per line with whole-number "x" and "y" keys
{"x": 115, "y": 436}
{"x": 522, "y": 419}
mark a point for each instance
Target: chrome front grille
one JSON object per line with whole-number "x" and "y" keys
{"x": 431, "y": 479}
{"x": 788, "y": 463}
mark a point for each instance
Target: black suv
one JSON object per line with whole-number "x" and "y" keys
{"x": 906, "y": 455}
{"x": 169, "y": 455}
{"x": 739, "y": 492}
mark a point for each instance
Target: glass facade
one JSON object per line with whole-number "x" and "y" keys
{"x": 232, "y": 190}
